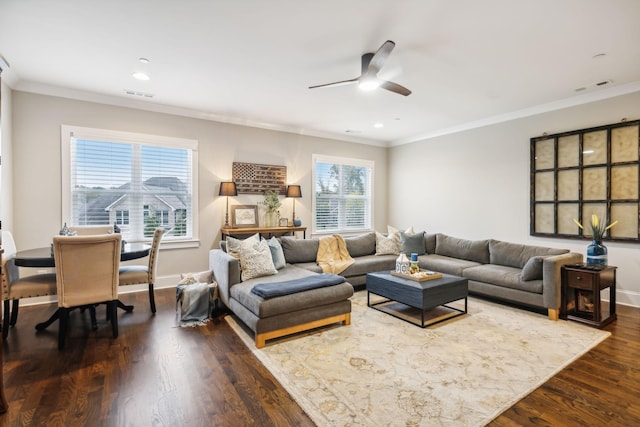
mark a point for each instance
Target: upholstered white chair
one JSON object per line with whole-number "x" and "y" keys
{"x": 86, "y": 275}
{"x": 140, "y": 274}
{"x": 14, "y": 287}
{"x": 91, "y": 229}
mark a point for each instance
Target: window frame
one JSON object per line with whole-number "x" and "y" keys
{"x": 68, "y": 132}
{"x": 345, "y": 161}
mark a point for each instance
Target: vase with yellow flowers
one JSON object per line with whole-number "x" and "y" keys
{"x": 596, "y": 251}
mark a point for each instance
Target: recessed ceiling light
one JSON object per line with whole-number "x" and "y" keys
{"x": 140, "y": 76}
{"x": 143, "y": 60}
{"x": 378, "y": 125}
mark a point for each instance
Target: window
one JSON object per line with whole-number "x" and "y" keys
{"x": 343, "y": 194}
{"x": 122, "y": 217}
{"x": 137, "y": 181}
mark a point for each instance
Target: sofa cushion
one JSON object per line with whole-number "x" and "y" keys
{"x": 412, "y": 243}
{"x": 277, "y": 254}
{"x": 430, "y": 243}
{"x": 445, "y": 264}
{"x": 255, "y": 258}
{"x": 532, "y": 270}
{"x": 365, "y": 244}
{"x": 369, "y": 263}
{"x": 299, "y": 250}
{"x": 504, "y": 276}
{"x": 289, "y": 303}
{"x": 516, "y": 255}
{"x": 387, "y": 245}
{"x": 471, "y": 250}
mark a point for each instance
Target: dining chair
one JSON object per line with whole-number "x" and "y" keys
{"x": 86, "y": 275}
{"x": 92, "y": 229}
{"x": 15, "y": 287}
{"x": 140, "y": 274}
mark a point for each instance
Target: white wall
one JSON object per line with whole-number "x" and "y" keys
{"x": 475, "y": 184}
{"x": 36, "y": 163}
{"x": 6, "y": 150}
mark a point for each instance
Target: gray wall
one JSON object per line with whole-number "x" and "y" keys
{"x": 475, "y": 184}
{"x": 36, "y": 167}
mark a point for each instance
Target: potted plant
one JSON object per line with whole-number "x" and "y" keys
{"x": 272, "y": 204}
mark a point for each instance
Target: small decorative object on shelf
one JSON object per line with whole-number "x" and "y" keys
{"x": 116, "y": 229}
{"x": 65, "y": 230}
{"x": 272, "y": 203}
{"x": 297, "y": 222}
{"x": 596, "y": 251}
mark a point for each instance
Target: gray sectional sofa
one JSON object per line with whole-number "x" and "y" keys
{"x": 521, "y": 274}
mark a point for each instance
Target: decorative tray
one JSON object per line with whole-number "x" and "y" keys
{"x": 420, "y": 276}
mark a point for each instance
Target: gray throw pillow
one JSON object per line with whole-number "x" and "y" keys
{"x": 532, "y": 270}
{"x": 277, "y": 254}
{"x": 412, "y": 243}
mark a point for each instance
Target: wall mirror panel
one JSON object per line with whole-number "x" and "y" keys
{"x": 589, "y": 171}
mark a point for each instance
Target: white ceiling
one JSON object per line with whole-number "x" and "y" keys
{"x": 467, "y": 62}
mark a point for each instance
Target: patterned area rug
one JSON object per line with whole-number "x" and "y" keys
{"x": 381, "y": 370}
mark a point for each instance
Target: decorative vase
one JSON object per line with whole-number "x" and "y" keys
{"x": 297, "y": 222}
{"x": 271, "y": 219}
{"x": 597, "y": 253}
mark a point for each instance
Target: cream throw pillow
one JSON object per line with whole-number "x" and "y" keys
{"x": 387, "y": 245}
{"x": 233, "y": 245}
{"x": 395, "y": 233}
{"x": 255, "y": 258}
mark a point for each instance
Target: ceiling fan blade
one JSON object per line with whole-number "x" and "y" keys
{"x": 342, "y": 83}
{"x": 395, "y": 87}
{"x": 380, "y": 57}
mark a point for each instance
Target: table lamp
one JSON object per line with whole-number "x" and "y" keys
{"x": 294, "y": 192}
{"x": 227, "y": 189}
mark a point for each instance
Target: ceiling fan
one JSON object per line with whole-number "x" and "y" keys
{"x": 371, "y": 65}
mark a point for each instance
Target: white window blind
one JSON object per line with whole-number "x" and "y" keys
{"x": 137, "y": 181}
{"x": 343, "y": 194}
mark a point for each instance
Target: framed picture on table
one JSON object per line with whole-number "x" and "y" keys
{"x": 284, "y": 222}
{"x": 244, "y": 216}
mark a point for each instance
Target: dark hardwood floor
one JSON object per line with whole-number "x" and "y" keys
{"x": 156, "y": 374}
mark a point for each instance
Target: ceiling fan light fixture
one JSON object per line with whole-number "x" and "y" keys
{"x": 369, "y": 84}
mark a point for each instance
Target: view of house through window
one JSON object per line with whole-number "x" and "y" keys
{"x": 343, "y": 192}
{"x": 139, "y": 182}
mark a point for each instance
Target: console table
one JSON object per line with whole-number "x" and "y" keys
{"x": 581, "y": 288}
{"x": 265, "y": 231}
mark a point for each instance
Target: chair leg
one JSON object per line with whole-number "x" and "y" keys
{"x": 62, "y": 331}
{"x": 152, "y": 299}
{"x": 14, "y": 312}
{"x": 5, "y": 320}
{"x": 112, "y": 308}
{"x": 94, "y": 321}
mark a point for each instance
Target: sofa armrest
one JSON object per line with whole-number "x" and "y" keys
{"x": 226, "y": 271}
{"x": 552, "y": 277}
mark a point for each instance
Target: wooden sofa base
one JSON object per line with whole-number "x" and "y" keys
{"x": 262, "y": 338}
{"x": 553, "y": 313}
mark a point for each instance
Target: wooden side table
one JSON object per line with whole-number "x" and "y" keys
{"x": 264, "y": 231}
{"x": 582, "y": 285}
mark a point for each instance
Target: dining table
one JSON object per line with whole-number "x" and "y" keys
{"x": 43, "y": 258}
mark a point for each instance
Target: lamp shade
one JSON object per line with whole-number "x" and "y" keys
{"x": 294, "y": 191}
{"x": 228, "y": 189}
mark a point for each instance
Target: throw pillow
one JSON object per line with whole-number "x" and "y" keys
{"x": 277, "y": 254}
{"x": 532, "y": 270}
{"x": 412, "y": 243}
{"x": 387, "y": 245}
{"x": 392, "y": 231}
{"x": 255, "y": 258}
{"x": 233, "y": 244}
